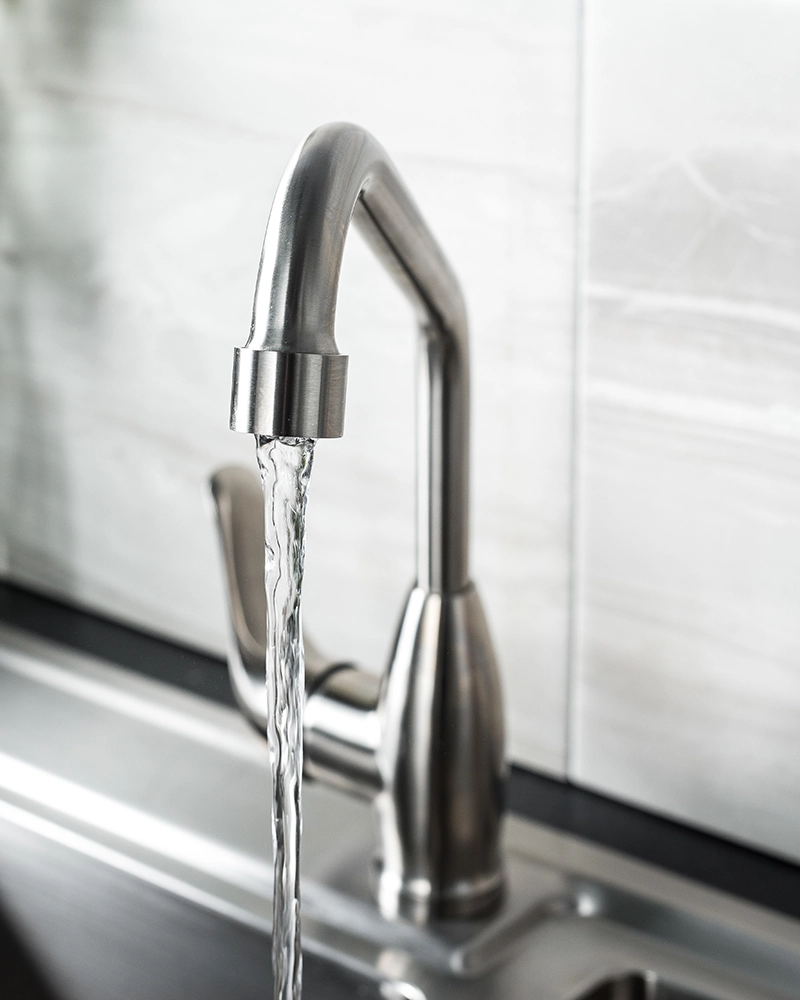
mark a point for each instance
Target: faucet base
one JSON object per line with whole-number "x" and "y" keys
{"x": 418, "y": 902}
{"x": 441, "y": 763}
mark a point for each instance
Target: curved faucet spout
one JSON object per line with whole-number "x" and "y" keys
{"x": 341, "y": 169}
{"x": 290, "y": 379}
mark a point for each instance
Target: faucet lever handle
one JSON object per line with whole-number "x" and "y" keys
{"x": 239, "y": 506}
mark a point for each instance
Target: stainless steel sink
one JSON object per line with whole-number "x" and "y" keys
{"x": 134, "y": 862}
{"x": 639, "y": 986}
{"x": 76, "y": 927}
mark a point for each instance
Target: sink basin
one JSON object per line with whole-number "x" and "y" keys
{"x": 134, "y": 863}
{"x": 639, "y": 986}
{"x": 76, "y": 928}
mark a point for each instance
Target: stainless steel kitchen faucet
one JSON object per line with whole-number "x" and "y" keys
{"x": 426, "y": 741}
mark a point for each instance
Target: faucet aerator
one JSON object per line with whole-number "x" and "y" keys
{"x": 286, "y": 394}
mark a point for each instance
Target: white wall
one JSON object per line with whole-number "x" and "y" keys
{"x": 148, "y": 139}
{"x": 142, "y": 142}
{"x": 689, "y": 681}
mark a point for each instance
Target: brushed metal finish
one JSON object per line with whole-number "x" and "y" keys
{"x": 430, "y": 748}
{"x": 94, "y": 933}
{"x": 293, "y": 395}
{"x": 441, "y": 762}
{"x": 342, "y": 732}
{"x": 145, "y": 872}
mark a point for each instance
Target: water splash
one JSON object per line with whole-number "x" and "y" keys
{"x": 285, "y": 465}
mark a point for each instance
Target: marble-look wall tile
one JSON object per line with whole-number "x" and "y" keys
{"x": 149, "y": 139}
{"x": 688, "y": 695}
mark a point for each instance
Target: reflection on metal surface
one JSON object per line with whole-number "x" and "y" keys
{"x": 123, "y": 862}
{"x": 128, "y": 846}
{"x": 640, "y": 986}
{"x": 84, "y": 681}
{"x": 78, "y": 804}
{"x": 91, "y": 931}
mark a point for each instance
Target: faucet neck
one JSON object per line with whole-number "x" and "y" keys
{"x": 341, "y": 173}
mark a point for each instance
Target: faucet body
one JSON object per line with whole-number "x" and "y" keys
{"x": 425, "y": 741}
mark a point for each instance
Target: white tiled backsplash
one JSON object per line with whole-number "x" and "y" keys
{"x": 618, "y": 187}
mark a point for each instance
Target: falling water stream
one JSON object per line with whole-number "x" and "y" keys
{"x": 285, "y": 465}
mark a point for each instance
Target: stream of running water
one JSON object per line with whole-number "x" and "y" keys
{"x": 285, "y": 465}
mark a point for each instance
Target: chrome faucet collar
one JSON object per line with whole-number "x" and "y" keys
{"x": 426, "y": 742}
{"x": 338, "y": 172}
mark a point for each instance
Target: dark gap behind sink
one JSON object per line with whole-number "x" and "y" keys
{"x": 87, "y": 632}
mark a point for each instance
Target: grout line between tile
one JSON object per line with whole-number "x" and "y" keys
{"x": 574, "y": 635}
